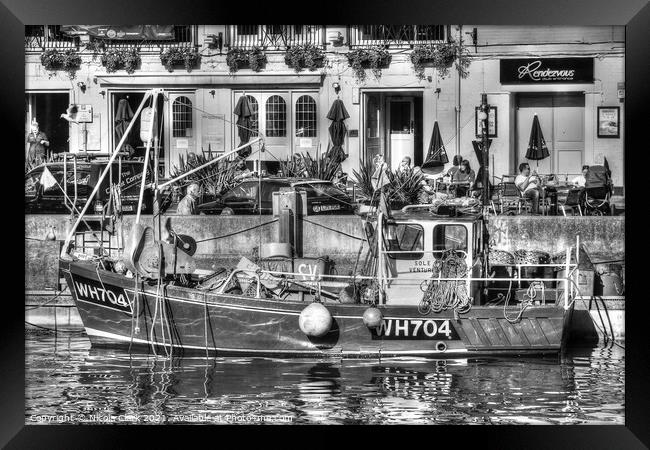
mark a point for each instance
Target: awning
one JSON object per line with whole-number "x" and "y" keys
{"x": 210, "y": 79}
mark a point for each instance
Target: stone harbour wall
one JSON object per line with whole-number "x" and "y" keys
{"x": 220, "y": 243}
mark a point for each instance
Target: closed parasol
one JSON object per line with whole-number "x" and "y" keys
{"x": 337, "y": 114}
{"x": 244, "y": 122}
{"x": 537, "y": 148}
{"x": 437, "y": 155}
{"x": 123, "y": 117}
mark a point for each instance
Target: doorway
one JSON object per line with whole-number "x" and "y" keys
{"x": 393, "y": 127}
{"x": 46, "y": 108}
{"x": 561, "y": 116}
{"x": 133, "y": 99}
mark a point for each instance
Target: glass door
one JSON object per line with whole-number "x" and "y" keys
{"x": 401, "y": 129}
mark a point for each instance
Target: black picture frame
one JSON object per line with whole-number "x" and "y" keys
{"x": 492, "y": 132}
{"x": 635, "y": 433}
{"x": 605, "y": 124}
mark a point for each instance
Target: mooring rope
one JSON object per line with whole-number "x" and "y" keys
{"x": 236, "y": 232}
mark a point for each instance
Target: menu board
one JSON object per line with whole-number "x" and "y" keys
{"x": 213, "y": 134}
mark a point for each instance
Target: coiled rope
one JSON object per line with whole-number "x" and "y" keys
{"x": 441, "y": 295}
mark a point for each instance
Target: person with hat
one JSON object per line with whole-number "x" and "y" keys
{"x": 38, "y": 143}
{"x": 188, "y": 205}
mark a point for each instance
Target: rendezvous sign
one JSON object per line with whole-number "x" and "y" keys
{"x": 547, "y": 70}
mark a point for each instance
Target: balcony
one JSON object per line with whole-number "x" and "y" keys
{"x": 397, "y": 36}
{"x": 274, "y": 37}
{"x": 43, "y": 37}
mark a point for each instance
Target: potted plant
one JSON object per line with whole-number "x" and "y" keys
{"x": 307, "y": 56}
{"x": 176, "y": 56}
{"x": 116, "y": 59}
{"x": 256, "y": 59}
{"x": 68, "y": 60}
{"x": 375, "y": 58}
{"x": 441, "y": 57}
{"x": 238, "y": 58}
{"x": 97, "y": 47}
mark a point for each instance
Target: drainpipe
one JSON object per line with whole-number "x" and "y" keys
{"x": 458, "y": 126}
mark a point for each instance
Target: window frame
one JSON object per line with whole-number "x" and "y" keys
{"x": 437, "y": 252}
{"x": 414, "y": 254}
{"x": 182, "y": 116}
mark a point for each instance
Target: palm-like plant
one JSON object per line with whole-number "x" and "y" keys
{"x": 304, "y": 166}
{"x": 405, "y": 186}
{"x": 214, "y": 180}
{"x": 363, "y": 179}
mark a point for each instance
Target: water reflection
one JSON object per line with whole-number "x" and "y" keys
{"x": 65, "y": 376}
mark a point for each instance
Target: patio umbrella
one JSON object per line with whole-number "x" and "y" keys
{"x": 478, "y": 150}
{"x": 244, "y": 122}
{"x": 337, "y": 114}
{"x": 123, "y": 117}
{"x": 437, "y": 155}
{"x": 537, "y": 148}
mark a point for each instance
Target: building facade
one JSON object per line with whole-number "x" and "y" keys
{"x": 572, "y": 78}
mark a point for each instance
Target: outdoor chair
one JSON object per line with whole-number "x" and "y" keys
{"x": 510, "y": 198}
{"x": 572, "y": 201}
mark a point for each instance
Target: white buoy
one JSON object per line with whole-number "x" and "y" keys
{"x": 315, "y": 320}
{"x": 372, "y": 317}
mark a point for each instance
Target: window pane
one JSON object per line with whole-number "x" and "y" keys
{"x": 276, "y": 117}
{"x": 306, "y": 124}
{"x": 406, "y": 237}
{"x": 182, "y": 117}
{"x": 449, "y": 237}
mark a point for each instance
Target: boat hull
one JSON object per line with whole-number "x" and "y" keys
{"x": 185, "y": 321}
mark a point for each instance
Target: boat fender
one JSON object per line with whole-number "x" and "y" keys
{"x": 441, "y": 346}
{"x": 315, "y": 320}
{"x": 372, "y": 317}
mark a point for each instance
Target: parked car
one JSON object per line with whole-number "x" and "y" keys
{"x": 322, "y": 197}
{"x": 52, "y": 200}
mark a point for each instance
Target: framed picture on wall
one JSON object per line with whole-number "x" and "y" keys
{"x": 609, "y": 121}
{"x": 492, "y": 122}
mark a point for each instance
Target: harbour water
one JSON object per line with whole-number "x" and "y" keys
{"x": 67, "y": 381}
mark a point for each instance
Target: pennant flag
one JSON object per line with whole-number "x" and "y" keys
{"x": 47, "y": 179}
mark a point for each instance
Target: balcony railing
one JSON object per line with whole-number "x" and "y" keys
{"x": 274, "y": 37}
{"x": 397, "y": 35}
{"x": 42, "y": 37}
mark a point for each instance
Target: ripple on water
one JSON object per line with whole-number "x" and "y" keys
{"x": 65, "y": 376}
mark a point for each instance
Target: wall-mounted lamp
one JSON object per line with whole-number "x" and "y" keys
{"x": 337, "y": 87}
{"x": 212, "y": 92}
{"x": 82, "y": 86}
{"x": 103, "y": 93}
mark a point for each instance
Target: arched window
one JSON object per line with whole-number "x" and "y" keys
{"x": 182, "y": 117}
{"x": 276, "y": 117}
{"x": 306, "y": 123}
{"x": 255, "y": 118}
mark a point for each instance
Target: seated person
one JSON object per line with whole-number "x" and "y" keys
{"x": 241, "y": 171}
{"x": 580, "y": 180}
{"x": 405, "y": 165}
{"x": 188, "y": 205}
{"x": 529, "y": 185}
{"x": 457, "y": 161}
{"x": 463, "y": 174}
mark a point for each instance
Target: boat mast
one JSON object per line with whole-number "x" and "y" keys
{"x": 73, "y": 229}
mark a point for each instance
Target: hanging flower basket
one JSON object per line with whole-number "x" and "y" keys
{"x": 306, "y": 56}
{"x": 180, "y": 56}
{"x": 374, "y": 58}
{"x": 253, "y": 59}
{"x": 114, "y": 60}
{"x": 68, "y": 60}
{"x": 441, "y": 57}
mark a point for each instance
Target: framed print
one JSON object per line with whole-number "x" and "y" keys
{"x": 609, "y": 121}
{"x": 492, "y": 122}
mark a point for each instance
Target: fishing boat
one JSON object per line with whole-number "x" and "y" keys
{"x": 426, "y": 291}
